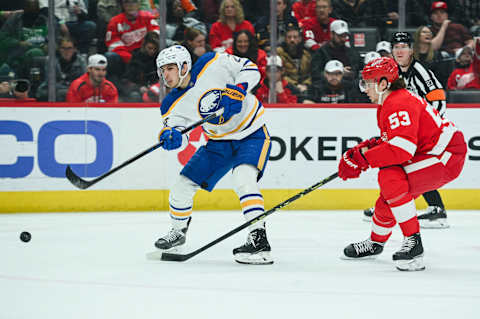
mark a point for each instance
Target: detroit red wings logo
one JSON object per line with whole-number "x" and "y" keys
{"x": 197, "y": 139}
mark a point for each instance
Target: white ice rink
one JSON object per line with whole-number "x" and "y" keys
{"x": 93, "y": 265}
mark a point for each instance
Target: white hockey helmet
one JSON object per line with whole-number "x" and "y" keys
{"x": 175, "y": 54}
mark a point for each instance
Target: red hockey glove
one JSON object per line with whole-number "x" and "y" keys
{"x": 369, "y": 143}
{"x": 352, "y": 164}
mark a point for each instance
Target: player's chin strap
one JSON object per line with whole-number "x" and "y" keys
{"x": 181, "y": 78}
{"x": 380, "y": 94}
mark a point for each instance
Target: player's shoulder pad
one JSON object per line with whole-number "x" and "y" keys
{"x": 169, "y": 100}
{"x": 202, "y": 61}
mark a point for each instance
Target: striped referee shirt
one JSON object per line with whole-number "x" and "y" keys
{"x": 423, "y": 82}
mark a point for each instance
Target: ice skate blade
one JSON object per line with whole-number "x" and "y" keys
{"x": 157, "y": 254}
{"x": 359, "y": 258}
{"x": 261, "y": 258}
{"x": 367, "y": 219}
{"x": 440, "y": 223}
{"x": 415, "y": 264}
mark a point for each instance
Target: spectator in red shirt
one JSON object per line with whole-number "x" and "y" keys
{"x": 232, "y": 19}
{"x": 303, "y": 9}
{"x": 316, "y": 30}
{"x": 92, "y": 87}
{"x": 245, "y": 46}
{"x": 125, "y": 33}
{"x": 467, "y": 72}
{"x": 284, "y": 95}
{"x": 448, "y": 36}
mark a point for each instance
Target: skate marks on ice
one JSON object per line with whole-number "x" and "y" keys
{"x": 93, "y": 265}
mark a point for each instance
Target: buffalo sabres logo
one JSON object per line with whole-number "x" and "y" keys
{"x": 209, "y": 103}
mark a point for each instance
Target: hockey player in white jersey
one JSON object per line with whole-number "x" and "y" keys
{"x": 238, "y": 139}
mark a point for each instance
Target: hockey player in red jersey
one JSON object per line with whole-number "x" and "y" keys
{"x": 418, "y": 151}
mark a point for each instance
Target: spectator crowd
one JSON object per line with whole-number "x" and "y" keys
{"x": 106, "y": 49}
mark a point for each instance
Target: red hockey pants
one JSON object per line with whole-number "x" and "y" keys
{"x": 400, "y": 185}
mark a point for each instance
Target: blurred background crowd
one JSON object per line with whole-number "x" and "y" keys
{"x": 105, "y": 50}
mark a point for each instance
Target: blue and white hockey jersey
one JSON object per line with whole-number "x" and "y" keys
{"x": 209, "y": 77}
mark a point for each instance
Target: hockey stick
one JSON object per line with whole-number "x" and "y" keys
{"x": 83, "y": 184}
{"x": 182, "y": 257}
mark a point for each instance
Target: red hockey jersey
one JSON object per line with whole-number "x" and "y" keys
{"x": 409, "y": 126}
{"x": 465, "y": 78}
{"x": 124, "y": 36}
{"x": 316, "y": 34}
{"x": 81, "y": 90}
{"x": 303, "y": 9}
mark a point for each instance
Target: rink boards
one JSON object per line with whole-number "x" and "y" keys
{"x": 37, "y": 141}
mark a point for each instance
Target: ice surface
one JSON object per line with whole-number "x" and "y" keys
{"x": 93, "y": 265}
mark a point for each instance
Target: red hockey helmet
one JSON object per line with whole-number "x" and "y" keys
{"x": 381, "y": 68}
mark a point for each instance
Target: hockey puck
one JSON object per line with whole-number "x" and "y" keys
{"x": 25, "y": 236}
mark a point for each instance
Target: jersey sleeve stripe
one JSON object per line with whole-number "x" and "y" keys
{"x": 260, "y": 107}
{"x": 404, "y": 144}
{"x": 427, "y": 163}
{"x": 420, "y": 165}
{"x": 207, "y": 65}
{"x": 443, "y": 140}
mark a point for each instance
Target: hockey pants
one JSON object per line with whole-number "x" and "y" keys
{"x": 401, "y": 184}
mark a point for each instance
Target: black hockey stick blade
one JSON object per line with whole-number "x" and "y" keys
{"x": 177, "y": 257}
{"x": 76, "y": 180}
{"x": 183, "y": 257}
{"x": 83, "y": 184}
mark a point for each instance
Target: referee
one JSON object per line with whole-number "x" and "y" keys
{"x": 423, "y": 82}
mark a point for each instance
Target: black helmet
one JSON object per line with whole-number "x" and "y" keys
{"x": 401, "y": 37}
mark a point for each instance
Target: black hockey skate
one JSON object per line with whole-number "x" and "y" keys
{"x": 256, "y": 250}
{"x": 368, "y": 214}
{"x": 366, "y": 249}
{"x": 410, "y": 255}
{"x": 174, "y": 238}
{"x": 434, "y": 217}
